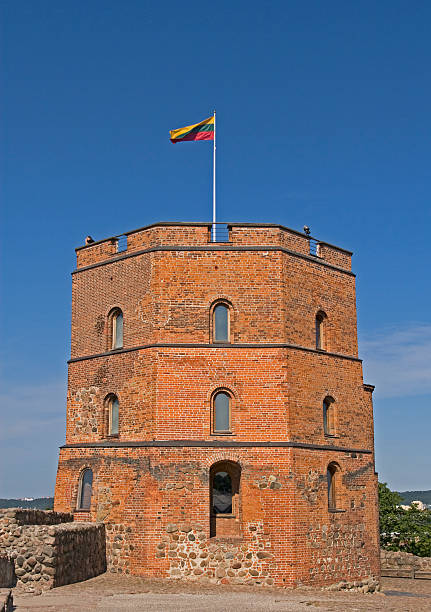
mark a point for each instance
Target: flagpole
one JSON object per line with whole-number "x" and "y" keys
{"x": 214, "y": 181}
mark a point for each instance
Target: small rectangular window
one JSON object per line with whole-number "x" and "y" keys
{"x": 318, "y": 333}
{"x": 328, "y": 416}
{"x": 331, "y": 475}
{"x": 117, "y": 330}
{"x": 113, "y": 417}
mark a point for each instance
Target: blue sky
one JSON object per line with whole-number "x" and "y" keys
{"x": 322, "y": 119}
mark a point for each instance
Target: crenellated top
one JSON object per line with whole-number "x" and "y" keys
{"x": 229, "y": 236}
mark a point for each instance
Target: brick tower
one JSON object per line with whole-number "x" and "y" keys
{"x": 217, "y": 419}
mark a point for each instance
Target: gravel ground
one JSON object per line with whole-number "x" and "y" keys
{"x": 107, "y": 592}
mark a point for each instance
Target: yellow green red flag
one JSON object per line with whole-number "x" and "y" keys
{"x": 200, "y": 131}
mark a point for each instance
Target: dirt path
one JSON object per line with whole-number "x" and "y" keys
{"x": 120, "y": 593}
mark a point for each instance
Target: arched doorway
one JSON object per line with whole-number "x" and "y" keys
{"x": 225, "y": 499}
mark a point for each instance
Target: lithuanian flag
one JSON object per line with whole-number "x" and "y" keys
{"x": 200, "y": 131}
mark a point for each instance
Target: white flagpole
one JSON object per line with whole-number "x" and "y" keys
{"x": 214, "y": 181}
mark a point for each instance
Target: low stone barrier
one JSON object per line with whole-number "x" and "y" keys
{"x": 80, "y": 552}
{"x": 404, "y": 565}
{"x": 28, "y": 516}
{"x": 53, "y": 553}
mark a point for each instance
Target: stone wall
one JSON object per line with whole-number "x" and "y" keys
{"x": 119, "y": 547}
{"x": 221, "y": 560}
{"x": 79, "y": 552}
{"x": 27, "y": 516}
{"x": 48, "y": 551}
{"x": 404, "y": 565}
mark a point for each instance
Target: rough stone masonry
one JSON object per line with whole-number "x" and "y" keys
{"x": 41, "y": 550}
{"x": 218, "y": 423}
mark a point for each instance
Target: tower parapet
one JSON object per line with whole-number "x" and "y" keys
{"x": 233, "y": 235}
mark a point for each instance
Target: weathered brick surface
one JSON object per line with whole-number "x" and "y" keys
{"x": 153, "y": 488}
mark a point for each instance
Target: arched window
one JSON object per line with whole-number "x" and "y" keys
{"x": 329, "y": 416}
{"x": 320, "y": 331}
{"x": 224, "y": 499}
{"x": 117, "y": 329}
{"x": 85, "y": 489}
{"x": 113, "y": 415}
{"x": 221, "y": 331}
{"x": 331, "y": 475}
{"x": 222, "y": 412}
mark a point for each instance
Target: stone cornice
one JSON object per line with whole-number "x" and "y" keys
{"x": 218, "y": 345}
{"x": 213, "y": 444}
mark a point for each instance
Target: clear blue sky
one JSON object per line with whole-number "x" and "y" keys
{"x": 323, "y": 118}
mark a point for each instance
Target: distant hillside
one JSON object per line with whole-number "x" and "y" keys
{"x": 47, "y": 503}
{"x": 41, "y": 503}
{"x": 409, "y": 496}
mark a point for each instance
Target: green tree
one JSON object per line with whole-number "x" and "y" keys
{"x": 406, "y": 530}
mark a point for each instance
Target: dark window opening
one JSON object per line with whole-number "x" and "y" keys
{"x": 221, "y": 323}
{"x": 113, "y": 415}
{"x": 222, "y": 493}
{"x": 320, "y": 330}
{"x": 328, "y": 416}
{"x": 117, "y": 329}
{"x": 225, "y": 499}
{"x": 331, "y": 473}
{"x": 222, "y": 412}
{"x": 85, "y": 490}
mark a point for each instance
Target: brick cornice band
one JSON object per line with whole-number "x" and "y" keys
{"x": 160, "y": 249}
{"x": 213, "y": 444}
{"x": 218, "y": 345}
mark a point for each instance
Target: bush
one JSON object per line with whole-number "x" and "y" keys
{"x": 405, "y": 530}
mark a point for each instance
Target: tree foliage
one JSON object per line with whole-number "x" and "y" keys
{"x": 400, "y": 529}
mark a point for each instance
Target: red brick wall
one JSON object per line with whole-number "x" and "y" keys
{"x": 149, "y": 490}
{"x": 311, "y": 378}
{"x": 155, "y": 501}
{"x": 166, "y": 297}
{"x": 97, "y": 252}
{"x": 309, "y": 288}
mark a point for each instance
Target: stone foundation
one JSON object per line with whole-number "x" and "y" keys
{"x": 49, "y": 550}
{"x": 118, "y": 547}
{"x": 193, "y": 556}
